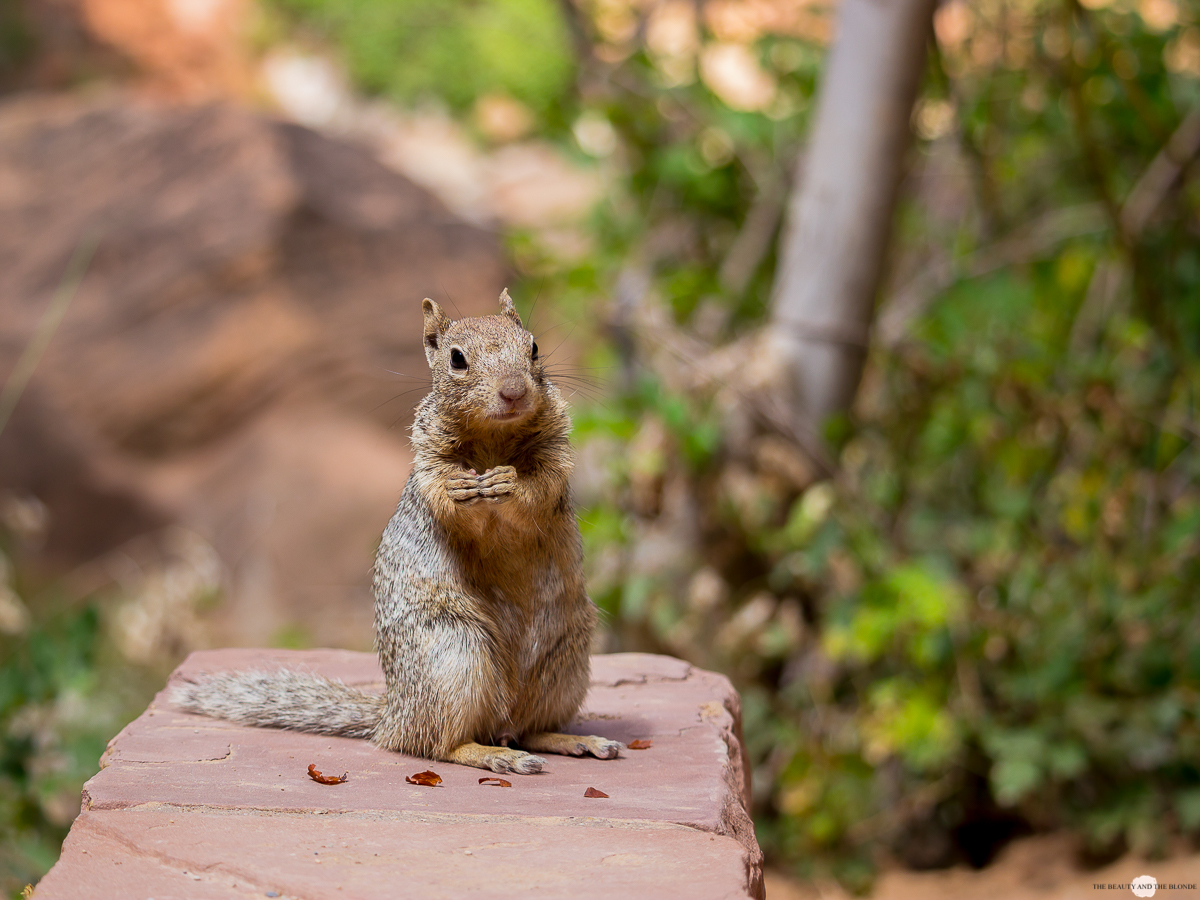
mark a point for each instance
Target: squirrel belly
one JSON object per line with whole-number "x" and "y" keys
{"x": 477, "y": 642}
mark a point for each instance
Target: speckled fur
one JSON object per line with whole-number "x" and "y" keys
{"x": 482, "y": 620}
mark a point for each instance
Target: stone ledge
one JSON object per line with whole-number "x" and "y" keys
{"x": 187, "y": 806}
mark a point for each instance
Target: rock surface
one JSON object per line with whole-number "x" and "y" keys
{"x": 186, "y": 806}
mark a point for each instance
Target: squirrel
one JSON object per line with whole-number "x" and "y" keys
{"x": 482, "y": 619}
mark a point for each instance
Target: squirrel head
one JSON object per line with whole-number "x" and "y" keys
{"x": 486, "y": 370}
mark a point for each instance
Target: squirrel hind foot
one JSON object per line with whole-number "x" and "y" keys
{"x": 573, "y": 744}
{"x": 605, "y": 749}
{"x": 523, "y": 764}
{"x": 501, "y": 760}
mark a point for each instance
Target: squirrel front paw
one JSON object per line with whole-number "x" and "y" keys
{"x": 491, "y": 484}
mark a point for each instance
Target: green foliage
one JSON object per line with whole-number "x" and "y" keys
{"x": 63, "y": 694}
{"x": 999, "y": 584}
{"x": 988, "y": 610}
{"x": 1056, "y": 630}
{"x": 457, "y": 51}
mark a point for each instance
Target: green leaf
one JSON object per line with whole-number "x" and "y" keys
{"x": 809, "y": 512}
{"x": 911, "y": 722}
{"x": 1019, "y": 756}
{"x": 1012, "y": 779}
{"x": 1187, "y": 805}
{"x": 926, "y": 595}
{"x": 1067, "y": 760}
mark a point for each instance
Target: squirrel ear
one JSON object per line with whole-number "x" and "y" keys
{"x": 436, "y": 323}
{"x": 508, "y": 309}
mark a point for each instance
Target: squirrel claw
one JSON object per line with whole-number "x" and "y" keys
{"x": 607, "y": 749}
{"x": 495, "y": 482}
{"x": 516, "y": 761}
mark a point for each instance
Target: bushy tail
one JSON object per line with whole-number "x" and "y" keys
{"x": 299, "y": 701}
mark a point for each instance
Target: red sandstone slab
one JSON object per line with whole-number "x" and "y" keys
{"x": 686, "y": 777}
{"x": 169, "y": 853}
{"x": 692, "y": 776}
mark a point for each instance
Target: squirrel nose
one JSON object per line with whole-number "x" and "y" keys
{"x": 513, "y": 390}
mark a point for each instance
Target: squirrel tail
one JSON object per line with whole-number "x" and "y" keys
{"x": 299, "y": 701}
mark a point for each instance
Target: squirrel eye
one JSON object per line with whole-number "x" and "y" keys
{"x": 534, "y": 350}
{"x": 457, "y": 360}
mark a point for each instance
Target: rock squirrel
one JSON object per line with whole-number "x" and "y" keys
{"x": 482, "y": 620}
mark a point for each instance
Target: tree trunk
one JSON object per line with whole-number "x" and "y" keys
{"x": 840, "y": 213}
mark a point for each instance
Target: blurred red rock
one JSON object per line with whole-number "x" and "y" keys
{"x": 227, "y": 362}
{"x": 178, "y": 49}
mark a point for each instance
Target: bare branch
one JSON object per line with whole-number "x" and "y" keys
{"x": 1160, "y": 176}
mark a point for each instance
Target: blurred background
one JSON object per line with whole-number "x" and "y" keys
{"x": 881, "y": 325}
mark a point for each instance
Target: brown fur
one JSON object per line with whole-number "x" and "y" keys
{"x": 482, "y": 620}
